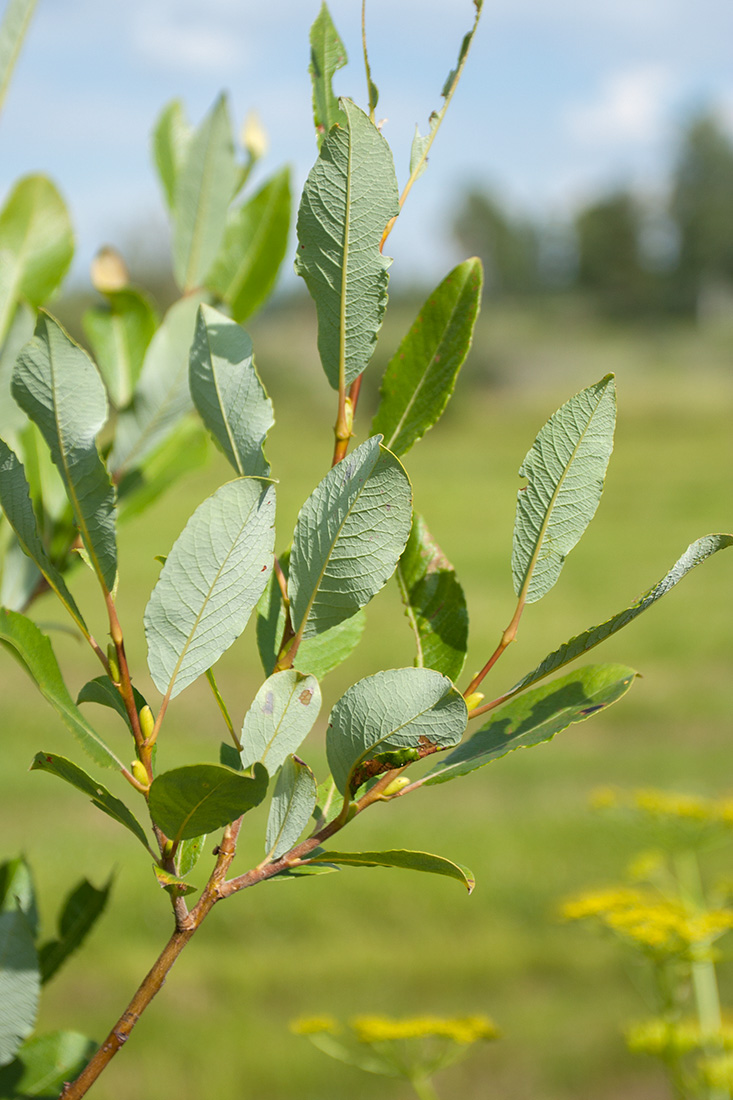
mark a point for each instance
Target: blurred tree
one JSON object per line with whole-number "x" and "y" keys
{"x": 610, "y": 262}
{"x": 507, "y": 248}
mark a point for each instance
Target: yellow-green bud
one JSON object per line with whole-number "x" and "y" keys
{"x": 147, "y": 722}
{"x": 138, "y": 770}
{"x": 109, "y": 272}
{"x": 254, "y": 136}
{"x": 473, "y": 700}
{"x": 114, "y": 668}
{"x": 397, "y": 784}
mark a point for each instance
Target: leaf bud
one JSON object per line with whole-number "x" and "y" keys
{"x": 473, "y": 700}
{"x": 397, "y": 784}
{"x": 114, "y": 668}
{"x": 109, "y": 272}
{"x": 254, "y": 136}
{"x": 147, "y": 722}
{"x": 138, "y": 770}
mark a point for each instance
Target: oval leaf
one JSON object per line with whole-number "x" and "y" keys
{"x": 171, "y": 138}
{"x": 119, "y": 334}
{"x": 349, "y": 196}
{"x": 328, "y": 54}
{"x": 228, "y": 393}
{"x": 199, "y": 798}
{"x": 81, "y": 910}
{"x": 32, "y": 649}
{"x": 100, "y": 796}
{"x": 348, "y": 538}
{"x": 376, "y": 720}
{"x": 204, "y": 185}
{"x": 293, "y": 802}
{"x": 434, "y": 603}
{"x": 45, "y": 1062}
{"x": 210, "y": 583}
{"x": 281, "y": 716}
{"x": 536, "y": 717}
{"x": 565, "y": 469}
{"x": 399, "y": 857}
{"x": 60, "y": 389}
{"x": 421, "y": 377}
{"x": 20, "y": 983}
{"x": 255, "y": 242}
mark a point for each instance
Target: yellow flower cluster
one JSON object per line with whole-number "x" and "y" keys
{"x": 717, "y": 1073}
{"x": 664, "y": 1037}
{"x": 650, "y": 920}
{"x": 315, "y": 1025}
{"x": 666, "y": 804}
{"x": 463, "y": 1030}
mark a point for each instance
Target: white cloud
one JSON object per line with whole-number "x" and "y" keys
{"x": 187, "y": 46}
{"x": 631, "y": 108}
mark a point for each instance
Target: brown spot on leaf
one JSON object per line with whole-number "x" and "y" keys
{"x": 305, "y": 696}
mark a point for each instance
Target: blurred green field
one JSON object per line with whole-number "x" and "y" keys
{"x": 389, "y": 942}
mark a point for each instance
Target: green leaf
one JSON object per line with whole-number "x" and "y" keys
{"x": 210, "y": 583}
{"x": 434, "y": 603}
{"x": 171, "y": 138}
{"x": 348, "y": 538}
{"x": 119, "y": 334}
{"x": 81, "y": 911}
{"x": 17, "y": 891}
{"x": 328, "y": 54}
{"x": 227, "y": 391}
{"x": 189, "y": 852}
{"x": 162, "y": 396}
{"x": 410, "y": 861}
{"x": 421, "y": 377}
{"x": 185, "y": 450}
{"x": 199, "y": 798}
{"x": 403, "y": 708}
{"x": 13, "y": 30}
{"x": 176, "y": 887}
{"x": 102, "y": 691}
{"x": 695, "y": 554}
{"x": 20, "y": 332}
{"x": 254, "y": 246}
{"x": 292, "y": 805}
{"x": 204, "y": 186}
{"x": 32, "y": 649}
{"x": 100, "y": 796}
{"x": 318, "y": 655}
{"x": 536, "y": 717}
{"x": 36, "y": 245}
{"x": 349, "y": 196}
{"x": 16, "y": 504}
{"x": 20, "y": 578}
{"x": 19, "y": 983}
{"x": 565, "y": 468}
{"x": 44, "y": 1063}
{"x": 59, "y": 387}
{"x": 280, "y": 718}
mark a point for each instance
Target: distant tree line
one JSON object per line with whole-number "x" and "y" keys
{"x": 631, "y": 256}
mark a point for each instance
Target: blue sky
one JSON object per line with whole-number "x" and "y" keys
{"x": 561, "y": 98}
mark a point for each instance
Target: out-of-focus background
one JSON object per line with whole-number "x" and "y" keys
{"x": 588, "y": 159}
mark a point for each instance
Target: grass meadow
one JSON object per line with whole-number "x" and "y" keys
{"x": 395, "y": 942}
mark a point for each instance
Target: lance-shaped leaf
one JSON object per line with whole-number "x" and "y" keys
{"x": 189, "y": 852}
{"x": 348, "y": 538}
{"x": 119, "y": 334}
{"x": 253, "y": 249}
{"x": 45, "y": 1062}
{"x": 59, "y": 387}
{"x": 227, "y": 391}
{"x": 434, "y": 603}
{"x": 36, "y": 245}
{"x": 328, "y": 54}
{"x": 695, "y": 554}
{"x": 389, "y": 719}
{"x": 399, "y": 857}
{"x": 81, "y": 910}
{"x": 32, "y": 649}
{"x": 281, "y": 716}
{"x": 199, "y": 798}
{"x": 421, "y": 377}
{"x": 185, "y": 450}
{"x": 102, "y": 691}
{"x": 19, "y": 983}
{"x": 12, "y": 418}
{"x": 162, "y": 395}
{"x": 171, "y": 138}
{"x": 204, "y": 186}
{"x": 292, "y": 805}
{"x": 318, "y": 655}
{"x": 565, "y": 468}
{"x": 210, "y": 583}
{"x": 100, "y": 796}
{"x": 13, "y": 28}
{"x": 349, "y": 196}
{"x": 536, "y": 717}
{"x": 17, "y": 891}
{"x": 16, "y": 504}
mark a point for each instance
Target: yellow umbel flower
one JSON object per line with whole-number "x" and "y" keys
{"x": 315, "y": 1025}
{"x": 463, "y": 1030}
